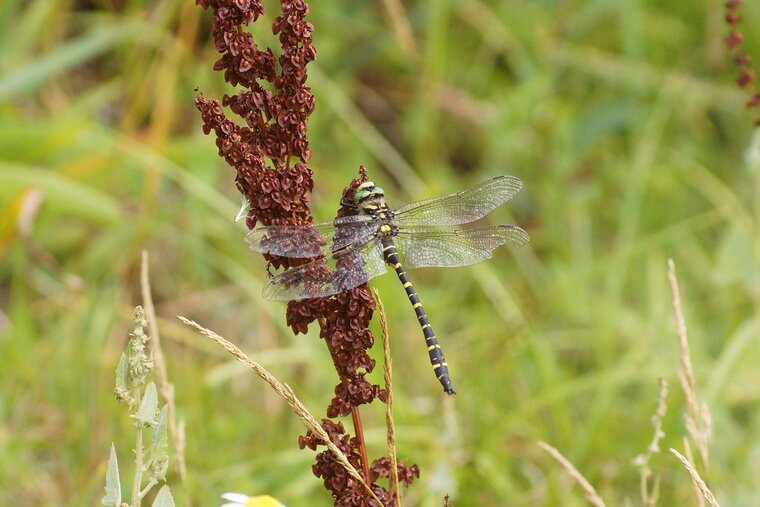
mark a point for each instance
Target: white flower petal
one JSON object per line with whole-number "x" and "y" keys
{"x": 239, "y": 499}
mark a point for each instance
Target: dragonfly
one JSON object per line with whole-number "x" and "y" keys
{"x": 351, "y": 250}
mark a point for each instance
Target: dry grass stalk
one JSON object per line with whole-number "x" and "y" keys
{"x": 690, "y": 457}
{"x": 699, "y": 483}
{"x": 588, "y": 490}
{"x": 388, "y": 375}
{"x": 288, "y": 395}
{"x": 176, "y": 432}
{"x": 401, "y": 26}
{"x": 649, "y": 495}
{"x": 698, "y": 420}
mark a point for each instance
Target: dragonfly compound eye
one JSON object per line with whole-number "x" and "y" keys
{"x": 365, "y": 190}
{"x": 360, "y": 195}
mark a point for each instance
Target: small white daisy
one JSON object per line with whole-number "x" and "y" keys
{"x": 241, "y": 500}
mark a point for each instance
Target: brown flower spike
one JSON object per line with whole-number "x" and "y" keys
{"x": 269, "y": 153}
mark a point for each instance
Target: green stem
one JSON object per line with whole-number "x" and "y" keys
{"x": 136, "y": 498}
{"x": 147, "y": 487}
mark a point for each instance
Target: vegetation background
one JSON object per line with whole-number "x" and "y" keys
{"x": 621, "y": 117}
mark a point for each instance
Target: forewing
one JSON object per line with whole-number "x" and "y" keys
{"x": 303, "y": 241}
{"x": 459, "y": 247}
{"x": 342, "y": 270}
{"x": 463, "y": 207}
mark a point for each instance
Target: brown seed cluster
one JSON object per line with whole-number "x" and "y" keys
{"x": 269, "y": 152}
{"x": 344, "y": 321}
{"x": 734, "y": 40}
{"x": 345, "y": 489}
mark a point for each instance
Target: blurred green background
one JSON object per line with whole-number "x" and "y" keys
{"x": 623, "y": 121}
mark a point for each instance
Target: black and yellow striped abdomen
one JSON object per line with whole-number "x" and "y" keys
{"x": 434, "y": 350}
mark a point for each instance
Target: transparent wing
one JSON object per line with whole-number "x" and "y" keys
{"x": 463, "y": 207}
{"x": 459, "y": 247}
{"x": 350, "y": 267}
{"x": 303, "y": 241}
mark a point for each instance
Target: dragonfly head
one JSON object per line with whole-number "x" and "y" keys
{"x": 368, "y": 192}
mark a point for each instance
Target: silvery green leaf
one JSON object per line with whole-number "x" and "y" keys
{"x": 147, "y": 412}
{"x": 160, "y": 439}
{"x": 163, "y": 498}
{"x": 121, "y": 373}
{"x": 112, "y": 497}
{"x": 158, "y": 452}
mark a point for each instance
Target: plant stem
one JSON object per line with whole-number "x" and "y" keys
{"x": 136, "y": 498}
{"x": 147, "y": 487}
{"x": 357, "y": 419}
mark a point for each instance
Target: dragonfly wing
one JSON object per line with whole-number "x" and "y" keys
{"x": 345, "y": 269}
{"x": 313, "y": 240}
{"x": 463, "y": 207}
{"x": 459, "y": 247}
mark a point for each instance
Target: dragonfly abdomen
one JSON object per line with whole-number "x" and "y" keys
{"x": 434, "y": 349}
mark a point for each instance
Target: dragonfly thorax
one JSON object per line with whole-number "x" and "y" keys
{"x": 370, "y": 200}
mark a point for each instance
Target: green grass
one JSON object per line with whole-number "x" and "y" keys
{"x": 620, "y": 117}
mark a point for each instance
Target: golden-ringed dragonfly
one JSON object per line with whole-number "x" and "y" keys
{"x": 351, "y": 250}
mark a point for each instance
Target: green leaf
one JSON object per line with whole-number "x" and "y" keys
{"x": 147, "y": 412}
{"x": 65, "y": 57}
{"x": 113, "y": 487}
{"x": 158, "y": 452}
{"x": 159, "y": 444}
{"x": 60, "y": 191}
{"x": 735, "y": 257}
{"x": 121, "y": 373}
{"x": 163, "y": 498}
